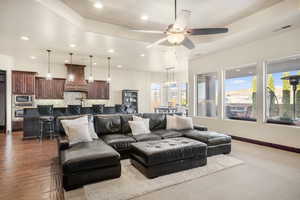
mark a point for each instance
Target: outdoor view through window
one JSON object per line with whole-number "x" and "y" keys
{"x": 240, "y": 93}
{"x": 171, "y": 97}
{"x": 282, "y": 98}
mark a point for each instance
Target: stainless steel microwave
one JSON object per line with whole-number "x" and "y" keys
{"x": 23, "y": 99}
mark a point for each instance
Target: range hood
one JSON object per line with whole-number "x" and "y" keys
{"x": 78, "y": 84}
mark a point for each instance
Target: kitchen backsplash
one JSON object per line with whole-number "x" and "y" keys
{"x": 71, "y": 98}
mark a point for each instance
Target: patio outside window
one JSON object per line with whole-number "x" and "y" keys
{"x": 280, "y": 105}
{"x": 240, "y": 93}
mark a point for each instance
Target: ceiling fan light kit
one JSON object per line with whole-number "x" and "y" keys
{"x": 175, "y": 38}
{"x": 177, "y": 33}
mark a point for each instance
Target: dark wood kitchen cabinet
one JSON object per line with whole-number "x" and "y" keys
{"x": 23, "y": 82}
{"x": 49, "y": 89}
{"x": 98, "y": 90}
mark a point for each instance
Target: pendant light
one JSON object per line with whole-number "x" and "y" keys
{"x": 71, "y": 76}
{"x": 108, "y": 69}
{"x": 91, "y": 78}
{"x": 173, "y": 76}
{"x": 49, "y": 75}
{"x": 170, "y": 76}
{"x": 167, "y": 77}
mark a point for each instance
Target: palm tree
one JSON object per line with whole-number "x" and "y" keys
{"x": 272, "y": 96}
{"x": 286, "y": 97}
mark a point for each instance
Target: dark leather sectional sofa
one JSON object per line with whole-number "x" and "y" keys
{"x": 85, "y": 163}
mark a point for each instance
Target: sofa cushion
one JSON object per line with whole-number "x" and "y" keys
{"x": 139, "y": 127}
{"x": 125, "y": 125}
{"x": 58, "y": 126}
{"x": 146, "y": 137}
{"x": 208, "y": 137}
{"x": 77, "y": 130}
{"x": 184, "y": 123}
{"x": 118, "y": 141}
{"x": 107, "y": 124}
{"x": 87, "y": 156}
{"x": 157, "y": 120}
{"x": 163, "y": 133}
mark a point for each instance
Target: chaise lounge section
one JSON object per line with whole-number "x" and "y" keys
{"x": 89, "y": 162}
{"x": 217, "y": 143}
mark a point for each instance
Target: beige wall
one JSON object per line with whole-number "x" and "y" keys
{"x": 279, "y": 46}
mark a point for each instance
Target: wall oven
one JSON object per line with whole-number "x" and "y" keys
{"x": 19, "y": 113}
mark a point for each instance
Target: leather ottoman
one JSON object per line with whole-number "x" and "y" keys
{"x": 156, "y": 158}
{"x": 217, "y": 143}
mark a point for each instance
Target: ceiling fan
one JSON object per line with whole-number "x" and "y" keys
{"x": 177, "y": 33}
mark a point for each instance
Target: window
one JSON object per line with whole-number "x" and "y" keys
{"x": 155, "y": 95}
{"x": 172, "y": 95}
{"x": 282, "y": 98}
{"x": 207, "y": 95}
{"x": 182, "y": 91}
{"x": 240, "y": 93}
{"x": 169, "y": 97}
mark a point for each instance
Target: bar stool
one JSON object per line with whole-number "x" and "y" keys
{"x": 47, "y": 127}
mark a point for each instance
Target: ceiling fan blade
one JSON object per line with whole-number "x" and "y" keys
{"x": 148, "y": 31}
{"x": 157, "y": 42}
{"x": 188, "y": 43}
{"x": 207, "y": 31}
{"x": 182, "y": 21}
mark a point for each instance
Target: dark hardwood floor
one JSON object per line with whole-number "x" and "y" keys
{"x": 29, "y": 169}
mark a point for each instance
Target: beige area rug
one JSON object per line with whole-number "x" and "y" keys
{"x": 133, "y": 184}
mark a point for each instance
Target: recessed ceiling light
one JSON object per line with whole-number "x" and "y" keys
{"x": 111, "y": 51}
{"x": 98, "y": 5}
{"x": 32, "y": 57}
{"x": 95, "y": 63}
{"x": 237, "y": 70}
{"x": 24, "y": 38}
{"x": 144, "y": 17}
{"x": 72, "y": 45}
{"x": 142, "y": 55}
{"x": 119, "y": 66}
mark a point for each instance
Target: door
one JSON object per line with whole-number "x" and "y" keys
{"x": 2, "y": 101}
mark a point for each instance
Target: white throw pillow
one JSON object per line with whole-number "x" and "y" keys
{"x": 138, "y": 127}
{"x": 92, "y": 128}
{"x": 146, "y": 121}
{"x": 171, "y": 122}
{"x": 183, "y": 123}
{"x": 77, "y": 130}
